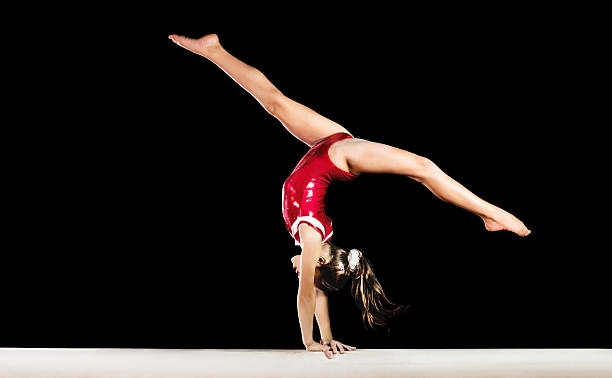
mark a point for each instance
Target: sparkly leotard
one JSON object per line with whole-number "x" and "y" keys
{"x": 304, "y": 191}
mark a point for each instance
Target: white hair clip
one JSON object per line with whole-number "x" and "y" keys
{"x": 353, "y": 259}
{"x": 340, "y": 266}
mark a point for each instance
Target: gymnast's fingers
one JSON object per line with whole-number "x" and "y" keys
{"x": 328, "y": 353}
{"x": 341, "y": 347}
{"x": 348, "y": 347}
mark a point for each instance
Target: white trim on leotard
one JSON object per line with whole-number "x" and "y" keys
{"x": 315, "y": 222}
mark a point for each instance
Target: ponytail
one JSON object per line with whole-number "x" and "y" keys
{"x": 369, "y": 296}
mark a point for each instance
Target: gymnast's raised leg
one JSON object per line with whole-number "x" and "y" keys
{"x": 301, "y": 121}
{"x": 363, "y": 156}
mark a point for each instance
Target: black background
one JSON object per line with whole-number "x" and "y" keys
{"x": 149, "y": 211}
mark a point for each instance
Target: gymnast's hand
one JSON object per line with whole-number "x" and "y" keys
{"x": 295, "y": 260}
{"x": 315, "y": 347}
{"x": 335, "y": 345}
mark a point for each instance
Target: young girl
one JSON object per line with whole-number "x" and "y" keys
{"x": 336, "y": 155}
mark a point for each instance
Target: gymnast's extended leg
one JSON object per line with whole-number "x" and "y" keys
{"x": 301, "y": 121}
{"x": 363, "y": 156}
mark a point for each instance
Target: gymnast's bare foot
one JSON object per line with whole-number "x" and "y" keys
{"x": 202, "y": 46}
{"x": 503, "y": 220}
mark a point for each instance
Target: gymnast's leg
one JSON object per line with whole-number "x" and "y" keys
{"x": 363, "y": 156}
{"x": 301, "y": 121}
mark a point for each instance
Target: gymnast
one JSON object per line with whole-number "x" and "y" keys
{"x": 335, "y": 154}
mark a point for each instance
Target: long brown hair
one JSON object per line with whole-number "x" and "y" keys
{"x": 376, "y": 308}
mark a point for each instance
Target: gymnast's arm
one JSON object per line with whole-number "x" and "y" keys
{"x": 306, "y": 298}
{"x": 321, "y": 305}
{"x": 322, "y": 314}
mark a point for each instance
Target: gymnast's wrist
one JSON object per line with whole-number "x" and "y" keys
{"x": 307, "y": 342}
{"x": 326, "y": 336}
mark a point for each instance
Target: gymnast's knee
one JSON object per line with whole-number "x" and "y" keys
{"x": 426, "y": 169}
{"x": 274, "y": 102}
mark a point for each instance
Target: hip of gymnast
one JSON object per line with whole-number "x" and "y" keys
{"x": 335, "y": 154}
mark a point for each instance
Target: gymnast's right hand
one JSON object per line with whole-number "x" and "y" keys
{"x": 316, "y": 347}
{"x": 295, "y": 260}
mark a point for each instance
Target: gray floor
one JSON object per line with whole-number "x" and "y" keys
{"x": 176, "y": 363}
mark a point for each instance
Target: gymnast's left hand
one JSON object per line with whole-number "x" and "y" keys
{"x": 335, "y": 345}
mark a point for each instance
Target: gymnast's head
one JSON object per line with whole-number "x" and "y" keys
{"x": 336, "y": 267}
{"x": 333, "y": 271}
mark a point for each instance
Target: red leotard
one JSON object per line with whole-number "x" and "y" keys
{"x": 304, "y": 191}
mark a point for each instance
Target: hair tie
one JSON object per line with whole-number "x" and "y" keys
{"x": 353, "y": 259}
{"x": 340, "y": 267}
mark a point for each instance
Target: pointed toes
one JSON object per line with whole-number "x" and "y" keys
{"x": 176, "y": 38}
